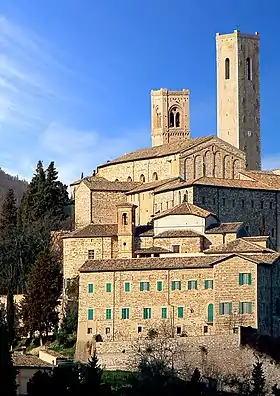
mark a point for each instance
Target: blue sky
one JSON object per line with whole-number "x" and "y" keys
{"x": 76, "y": 75}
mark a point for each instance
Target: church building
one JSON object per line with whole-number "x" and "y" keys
{"x": 186, "y": 231}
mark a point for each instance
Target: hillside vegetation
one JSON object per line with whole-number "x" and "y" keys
{"x": 7, "y": 182}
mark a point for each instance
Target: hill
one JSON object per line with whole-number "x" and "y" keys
{"x": 7, "y": 182}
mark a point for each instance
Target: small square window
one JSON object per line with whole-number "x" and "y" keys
{"x": 108, "y": 287}
{"x": 225, "y": 308}
{"x": 245, "y": 279}
{"x": 205, "y": 329}
{"x": 208, "y": 284}
{"x": 176, "y": 248}
{"x": 125, "y": 313}
{"x": 147, "y": 313}
{"x": 91, "y": 254}
{"x": 107, "y": 330}
{"x": 179, "y": 330}
{"x": 144, "y": 286}
{"x": 235, "y": 330}
{"x": 245, "y": 307}
{"x": 139, "y": 329}
{"x": 192, "y": 285}
{"x": 89, "y": 330}
{"x": 176, "y": 285}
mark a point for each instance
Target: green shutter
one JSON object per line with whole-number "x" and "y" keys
{"x": 90, "y": 314}
{"x": 240, "y": 279}
{"x": 145, "y": 313}
{"x": 127, "y": 287}
{"x": 210, "y": 313}
{"x": 221, "y": 309}
{"x": 127, "y": 313}
{"x": 249, "y": 279}
{"x": 173, "y": 285}
{"x": 180, "y": 312}
{"x": 159, "y": 285}
{"x": 90, "y": 287}
{"x": 240, "y": 308}
{"x": 189, "y": 285}
{"x": 141, "y": 286}
{"x": 149, "y": 313}
{"x": 179, "y": 285}
{"x": 108, "y": 314}
{"x": 250, "y": 310}
{"x": 230, "y": 308}
{"x": 164, "y": 313}
{"x": 195, "y": 285}
{"x": 108, "y": 287}
{"x": 205, "y": 284}
{"x": 148, "y": 286}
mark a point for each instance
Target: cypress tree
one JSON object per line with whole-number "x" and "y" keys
{"x": 258, "y": 379}
{"x": 40, "y": 302}
{"x": 7, "y": 371}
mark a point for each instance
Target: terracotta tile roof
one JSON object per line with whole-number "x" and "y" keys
{"x": 269, "y": 178}
{"x": 183, "y": 209}
{"x": 21, "y": 360}
{"x": 224, "y": 228}
{"x": 149, "y": 263}
{"x": 178, "y": 234}
{"x": 151, "y": 186}
{"x": 239, "y": 245}
{"x": 98, "y": 183}
{"x": 265, "y": 258}
{"x": 232, "y": 183}
{"x": 159, "y": 151}
{"x": 258, "y": 238}
{"x": 153, "y": 249}
{"x": 94, "y": 230}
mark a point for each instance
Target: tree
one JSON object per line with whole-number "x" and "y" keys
{"x": 10, "y": 257}
{"x": 7, "y": 371}
{"x": 258, "y": 379}
{"x": 39, "y": 306}
{"x": 91, "y": 377}
{"x": 68, "y": 330}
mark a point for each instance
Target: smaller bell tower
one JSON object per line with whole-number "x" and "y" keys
{"x": 170, "y": 116}
{"x": 126, "y": 229}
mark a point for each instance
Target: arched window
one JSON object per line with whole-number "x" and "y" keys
{"x": 129, "y": 179}
{"x": 249, "y": 69}
{"x": 174, "y": 117}
{"x": 124, "y": 219}
{"x": 116, "y": 180}
{"x": 227, "y": 68}
{"x": 210, "y": 313}
{"x": 177, "y": 119}
{"x": 171, "y": 119}
{"x": 155, "y": 176}
{"x": 142, "y": 178}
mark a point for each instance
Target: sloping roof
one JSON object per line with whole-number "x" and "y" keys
{"x": 232, "y": 183}
{"x": 152, "y": 185}
{"x": 224, "y": 228}
{"x": 239, "y": 245}
{"x": 269, "y": 178}
{"x": 153, "y": 249}
{"x": 257, "y": 238}
{"x": 94, "y": 230}
{"x": 98, "y": 183}
{"x": 178, "y": 234}
{"x": 159, "y": 151}
{"x": 26, "y": 360}
{"x": 144, "y": 231}
{"x": 183, "y": 209}
{"x": 262, "y": 258}
{"x": 149, "y": 263}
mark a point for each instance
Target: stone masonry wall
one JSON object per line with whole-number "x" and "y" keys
{"x": 103, "y": 206}
{"x": 187, "y": 245}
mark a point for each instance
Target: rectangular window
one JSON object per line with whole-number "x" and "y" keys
{"x": 180, "y": 312}
{"x": 90, "y": 314}
{"x": 144, "y": 286}
{"x": 164, "y": 313}
{"x": 159, "y": 285}
{"x": 178, "y": 329}
{"x": 147, "y": 313}
{"x": 225, "y": 308}
{"x": 192, "y": 284}
{"x": 203, "y": 200}
{"x": 208, "y": 284}
{"x": 224, "y": 202}
{"x": 91, "y": 254}
{"x": 108, "y": 314}
{"x": 176, "y": 248}
{"x": 245, "y": 308}
{"x": 125, "y": 313}
{"x": 261, "y": 204}
{"x": 108, "y": 287}
{"x": 139, "y": 329}
{"x": 89, "y": 330}
{"x": 242, "y": 203}
{"x": 127, "y": 287}
{"x": 270, "y": 205}
{"x": 233, "y": 203}
{"x": 90, "y": 287}
{"x": 214, "y": 201}
{"x": 176, "y": 285}
{"x": 252, "y": 203}
{"x": 107, "y": 330}
{"x": 245, "y": 279}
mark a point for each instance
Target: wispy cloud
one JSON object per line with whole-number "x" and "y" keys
{"x": 37, "y": 108}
